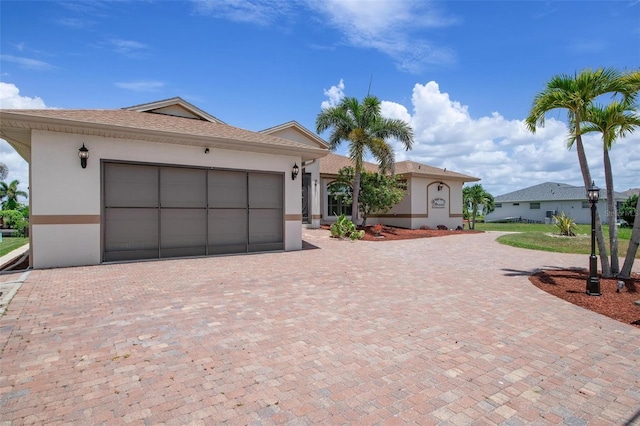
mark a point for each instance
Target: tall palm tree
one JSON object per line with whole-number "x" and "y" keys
{"x": 575, "y": 93}
{"x": 366, "y": 131}
{"x": 11, "y": 192}
{"x": 634, "y": 242}
{"x": 478, "y": 200}
{"x": 616, "y": 120}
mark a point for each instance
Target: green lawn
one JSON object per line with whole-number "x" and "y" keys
{"x": 9, "y": 244}
{"x": 546, "y": 237}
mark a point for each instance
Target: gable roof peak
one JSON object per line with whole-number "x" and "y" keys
{"x": 175, "y": 106}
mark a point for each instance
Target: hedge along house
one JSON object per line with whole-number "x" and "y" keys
{"x": 161, "y": 180}
{"x": 539, "y": 203}
{"x": 433, "y": 196}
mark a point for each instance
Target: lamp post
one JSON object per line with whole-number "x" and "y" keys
{"x": 593, "y": 282}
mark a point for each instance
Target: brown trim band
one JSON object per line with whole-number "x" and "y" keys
{"x": 316, "y": 216}
{"x": 289, "y": 217}
{"x": 65, "y": 219}
{"x": 402, "y": 216}
{"x": 456, "y": 215}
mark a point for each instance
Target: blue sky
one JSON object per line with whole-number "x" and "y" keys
{"x": 463, "y": 73}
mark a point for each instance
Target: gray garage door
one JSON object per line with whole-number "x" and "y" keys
{"x": 155, "y": 212}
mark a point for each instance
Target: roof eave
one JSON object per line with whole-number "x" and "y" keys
{"x": 176, "y": 138}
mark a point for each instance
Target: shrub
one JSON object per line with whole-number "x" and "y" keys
{"x": 566, "y": 224}
{"x": 628, "y": 209}
{"x": 343, "y": 227}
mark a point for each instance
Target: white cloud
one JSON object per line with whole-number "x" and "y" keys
{"x": 141, "y": 86}
{"x": 260, "y": 12}
{"x": 503, "y": 153}
{"x": 128, "y": 47}
{"x": 10, "y": 98}
{"x": 392, "y": 27}
{"x": 335, "y": 95}
{"x": 27, "y": 63}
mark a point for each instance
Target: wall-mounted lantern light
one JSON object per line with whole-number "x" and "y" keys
{"x": 206, "y": 150}
{"x": 440, "y": 186}
{"x": 294, "y": 171}
{"x": 83, "y": 153}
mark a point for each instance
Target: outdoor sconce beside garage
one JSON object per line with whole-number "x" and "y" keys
{"x": 294, "y": 172}
{"x": 83, "y": 153}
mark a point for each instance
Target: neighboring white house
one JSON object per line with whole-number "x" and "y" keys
{"x": 433, "y": 197}
{"x": 163, "y": 179}
{"x": 539, "y": 203}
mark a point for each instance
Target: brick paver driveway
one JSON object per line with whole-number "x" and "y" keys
{"x": 440, "y": 330}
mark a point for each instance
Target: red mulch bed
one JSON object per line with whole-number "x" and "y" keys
{"x": 570, "y": 285}
{"x": 390, "y": 233}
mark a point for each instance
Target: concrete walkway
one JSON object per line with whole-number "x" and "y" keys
{"x": 430, "y": 331}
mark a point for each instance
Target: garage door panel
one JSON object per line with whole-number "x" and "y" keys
{"x": 265, "y": 190}
{"x": 181, "y": 187}
{"x": 131, "y": 230}
{"x": 183, "y": 232}
{"x": 190, "y": 211}
{"x": 127, "y": 185}
{"x": 227, "y": 189}
{"x": 227, "y": 231}
{"x": 266, "y": 228}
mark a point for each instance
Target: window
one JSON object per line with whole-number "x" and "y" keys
{"x": 534, "y": 206}
{"x": 337, "y": 207}
{"x": 586, "y": 205}
{"x": 498, "y": 205}
{"x": 403, "y": 184}
{"x": 516, "y": 204}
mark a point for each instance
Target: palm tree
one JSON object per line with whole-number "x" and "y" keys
{"x": 366, "y": 131}
{"x": 11, "y": 192}
{"x": 575, "y": 93}
{"x": 474, "y": 197}
{"x": 617, "y": 119}
{"x": 634, "y": 242}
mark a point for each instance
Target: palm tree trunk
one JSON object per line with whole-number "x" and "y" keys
{"x": 586, "y": 175}
{"x": 356, "y": 195}
{"x": 633, "y": 245}
{"x": 612, "y": 215}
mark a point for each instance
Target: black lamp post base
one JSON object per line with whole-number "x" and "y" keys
{"x": 593, "y": 286}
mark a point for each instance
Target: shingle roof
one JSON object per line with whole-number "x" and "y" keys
{"x": 411, "y": 167}
{"x": 549, "y": 191}
{"x": 150, "y": 126}
{"x": 332, "y": 163}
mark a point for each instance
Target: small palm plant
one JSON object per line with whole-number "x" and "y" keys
{"x": 566, "y": 224}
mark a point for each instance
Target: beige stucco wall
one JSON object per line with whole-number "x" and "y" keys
{"x": 415, "y": 209}
{"x": 60, "y": 187}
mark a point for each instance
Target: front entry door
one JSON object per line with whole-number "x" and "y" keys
{"x": 306, "y": 199}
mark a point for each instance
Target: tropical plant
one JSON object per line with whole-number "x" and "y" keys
{"x": 575, "y": 94}
{"x": 476, "y": 200}
{"x": 11, "y": 192}
{"x": 15, "y": 220}
{"x": 366, "y": 131}
{"x": 628, "y": 210}
{"x": 617, "y": 119}
{"x": 343, "y": 227}
{"x": 378, "y": 193}
{"x": 566, "y": 224}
